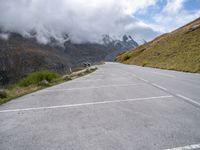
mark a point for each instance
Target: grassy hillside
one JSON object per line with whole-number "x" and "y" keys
{"x": 178, "y": 50}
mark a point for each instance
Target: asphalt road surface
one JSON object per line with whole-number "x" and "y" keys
{"x": 118, "y": 107}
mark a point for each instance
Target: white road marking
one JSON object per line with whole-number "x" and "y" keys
{"x": 134, "y": 75}
{"x": 188, "y": 99}
{"x": 160, "y": 87}
{"x": 85, "y": 104}
{"x": 89, "y": 80}
{"x": 93, "y": 87}
{"x": 86, "y": 80}
{"x": 164, "y": 74}
{"x": 188, "y": 147}
{"x": 143, "y": 80}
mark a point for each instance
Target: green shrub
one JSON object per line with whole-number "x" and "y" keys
{"x": 37, "y": 77}
{"x": 3, "y": 94}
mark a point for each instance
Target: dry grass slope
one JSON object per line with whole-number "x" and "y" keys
{"x": 178, "y": 50}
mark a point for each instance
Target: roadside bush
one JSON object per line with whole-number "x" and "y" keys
{"x": 3, "y": 94}
{"x": 37, "y": 77}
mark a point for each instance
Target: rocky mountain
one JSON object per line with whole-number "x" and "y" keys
{"x": 119, "y": 46}
{"x": 20, "y": 56}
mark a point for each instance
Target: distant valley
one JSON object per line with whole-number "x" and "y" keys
{"x": 21, "y": 56}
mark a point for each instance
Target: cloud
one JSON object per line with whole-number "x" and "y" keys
{"x": 173, "y": 6}
{"x": 82, "y": 20}
{"x": 173, "y": 15}
{"x": 4, "y": 36}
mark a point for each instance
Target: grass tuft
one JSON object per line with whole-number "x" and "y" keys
{"x": 37, "y": 77}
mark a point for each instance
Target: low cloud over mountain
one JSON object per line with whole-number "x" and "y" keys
{"x": 82, "y": 20}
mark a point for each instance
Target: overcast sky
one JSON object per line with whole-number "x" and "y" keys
{"x": 88, "y": 20}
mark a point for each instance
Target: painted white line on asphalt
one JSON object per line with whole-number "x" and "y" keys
{"x": 93, "y": 87}
{"x": 85, "y": 104}
{"x": 188, "y": 99}
{"x": 160, "y": 87}
{"x": 143, "y": 80}
{"x": 89, "y": 80}
{"x": 188, "y": 147}
{"x": 156, "y": 85}
{"x": 139, "y": 78}
{"x": 164, "y": 74}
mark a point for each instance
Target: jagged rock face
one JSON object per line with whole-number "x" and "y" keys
{"x": 20, "y": 56}
{"x": 119, "y": 46}
{"x": 127, "y": 42}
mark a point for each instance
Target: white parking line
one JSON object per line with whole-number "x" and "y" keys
{"x": 188, "y": 99}
{"x": 188, "y": 147}
{"x": 143, "y": 80}
{"x": 85, "y": 104}
{"x": 93, "y": 87}
{"x": 160, "y": 87}
{"x": 89, "y": 80}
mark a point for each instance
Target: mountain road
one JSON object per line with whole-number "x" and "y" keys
{"x": 117, "y": 107}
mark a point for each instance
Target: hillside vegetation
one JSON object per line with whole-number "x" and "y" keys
{"x": 178, "y": 50}
{"x": 35, "y": 81}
